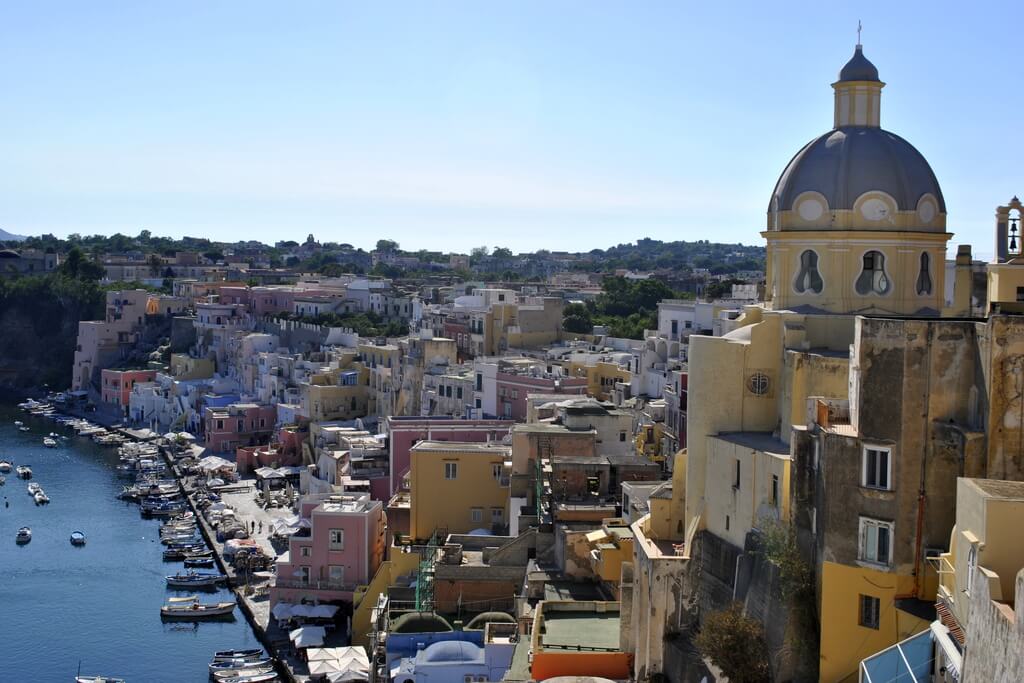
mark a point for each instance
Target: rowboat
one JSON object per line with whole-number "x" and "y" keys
{"x": 191, "y": 608}
{"x": 98, "y": 679}
{"x": 254, "y": 653}
{"x": 246, "y": 676}
{"x": 77, "y": 538}
{"x": 41, "y": 498}
{"x": 49, "y": 443}
{"x": 5, "y": 466}
{"x": 239, "y": 666}
{"x": 24, "y": 535}
{"x": 194, "y": 580}
{"x": 33, "y": 488}
{"x": 183, "y": 552}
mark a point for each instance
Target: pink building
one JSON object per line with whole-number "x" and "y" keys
{"x": 405, "y": 432}
{"x": 512, "y": 389}
{"x": 284, "y": 450}
{"x": 238, "y": 424}
{"x": 116, "y": 385}
{"x": 235, "y": 294}
{"x": 341, "y": 549}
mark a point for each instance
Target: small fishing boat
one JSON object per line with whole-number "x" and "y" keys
{"x": 34, "y": 488}
{"x": 182, "y": 553}
{"x": 194, "y": 580}
{"x": 191, "y": 608}
{"x": 41, "y": 498}
{"x": 49, "y": 443}
{"x": 77, "y": 538}
{"x": 24, "y": 535}
{"x": 239, "y": 665}
{"x": 5, "y": 466}
{"x": 199, "y": 563}
{"x": 24, "y": 471}
{"x": 254, "y": 653}
{"x": 2, "y": 481}
{"x": 22, "y": 429}
{"x": 262, "y": 675}
{"x": 18, "y": 423}
{"x": 98, "y": 679}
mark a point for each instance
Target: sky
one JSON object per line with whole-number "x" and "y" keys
{"x": 450, "y": 125}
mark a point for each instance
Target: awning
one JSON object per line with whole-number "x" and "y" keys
{"x": 323, "y": 611}
{"x": 282, "y": 610}
{"x": 268, "y": 473}
{"x": 307, "y": 636}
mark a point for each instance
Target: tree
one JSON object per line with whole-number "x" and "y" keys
{"x": 577, "y": 318}
{"x": 78, "y": 267}
{"x": 155, "y": 264}
{"x": 501, "y": 252}
{"x": 214, "y": 255}
{"x": 477, "y": 254}
{"x": 735, "y": 644}
{"x": 387, "y": 246}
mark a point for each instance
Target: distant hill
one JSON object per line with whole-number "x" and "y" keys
{"x": 8, "y": 237}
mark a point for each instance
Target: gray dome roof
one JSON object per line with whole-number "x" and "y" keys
{"x": 452, "y": 651}
{"x": 858, "y": 68}
{"x": 846, "y": 162}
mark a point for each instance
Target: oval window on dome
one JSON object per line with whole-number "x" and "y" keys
{"x": 873, "y": 278}
{"x": 808, "y": 279}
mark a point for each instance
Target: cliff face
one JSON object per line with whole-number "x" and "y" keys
{"x": 39, "y": 328}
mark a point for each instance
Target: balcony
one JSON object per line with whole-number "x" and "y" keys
{"x": 323, "y": 585}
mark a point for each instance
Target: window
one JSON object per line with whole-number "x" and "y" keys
{"x": 1020, "y": 294}
{"x": 727, "y": 522}
{"x": 336, "y": 539}
{"x": 241, "y": 425}
{"x": 476, "y": 515}
{"x": 775, "y": 490}
{"x": 479, "y": 382}
{"x": 924, "y": 278}
{"x": 508, "y": 410}
{"x": 305, "y": 551}
{"x": 263, "y": 422}
{"x": 496, "y": 471}
{"x": 869, "y": 608}
{"x": 477, "y": 403}
{"x": 497, "y": 515}
{"x": 736, "y": 476}
{"x": 515, "y": 394}
{"x": 757, "y": 384}
{"x": 303, "y": 574}
{"x": 808, "y": 279}
{"x": 675, "y": 327}
{"x": 451, "y": 470}
{"x": 458, "y": 392}
{"x": 972, "y": 564}
{"x": 336, "y": 574}
{"x": 220, "y": 424}
{"x": 875, "y": 541}
{"x": 876, "y": 468}
{"x": 622, "y": 436}
{"x": 873, "y": 279}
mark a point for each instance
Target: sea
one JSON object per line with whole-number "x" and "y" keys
{"x": 94, "y": 608}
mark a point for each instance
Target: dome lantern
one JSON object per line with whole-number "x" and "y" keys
{"x": 858, "y": 93}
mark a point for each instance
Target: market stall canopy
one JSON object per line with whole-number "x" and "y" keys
{"x": 268, "y": 473}
{"x": 212, "y": 463}
{"x": 323, "y": 611}
{"x": 307, "y": 636}
{"x": 282, "y": 610}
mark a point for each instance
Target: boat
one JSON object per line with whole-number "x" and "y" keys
{"x": 194, "y": 580}
{"x": 24, "y": 535}
{"x": 198, "y": 562}
{"x": 77, "y": 538}
{"x": 41, "y": 498}
{"x": 2, "y": 481}
{"x": 239, "y": 665}
{"x": 253, "y": 653}
{"x": 261, "y": 675}
{"x": 24, "y": 471}
{"x": 191, "y": 608}
{"x": 34, "y": 488}
{"x": 5, "y": 466}
{"x": 49, "y": 443}
{"x": 18, "y": 423}
{"x": 98, "y": 679}
{"x": 183, "y": 553}
{"x": 22, "y": 429}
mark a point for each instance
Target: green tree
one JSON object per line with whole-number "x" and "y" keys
{"x": 735, "y": 644}
{"x": 502, "y": 252}
{"x": 388, "y": 246}
{"x": 577, "y": 318}
{"x": 77, "y": 267}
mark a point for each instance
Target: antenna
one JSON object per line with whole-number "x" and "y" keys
{"x": 858, "y": 32}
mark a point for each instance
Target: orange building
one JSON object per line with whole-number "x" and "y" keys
{"x": 578, "y": 638}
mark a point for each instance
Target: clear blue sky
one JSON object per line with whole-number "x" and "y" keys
{"x": 559, "y": 125}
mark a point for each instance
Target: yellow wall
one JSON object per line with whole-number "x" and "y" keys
{"x": 609, "y": 372}
{"x": 742, "y": 505}
{"x": 844, "y": 642}
{"x": 364, "y": 599}
{"x": 1003, "y": 281}
{"x": 840, "y": 261}
{"x": 436, "y": 502}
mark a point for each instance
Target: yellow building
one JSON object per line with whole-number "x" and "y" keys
{"x": 337, "y": 394}
{"x": 853, "y": 429}
{"x": 457, "y": 487}
{"x": 184, "y": 366}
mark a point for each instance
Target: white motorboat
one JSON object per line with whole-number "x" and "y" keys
{"x": 23, "y": 429}
{"x": 34, "y": 488}
{"x": 77, "y": 538}
{"x": 194, "y": 580}
{"x": 41, "y": 498}
{"x": 24, "y": 535}
{"x": 262, "y": 675}
{"x": 49, "y": 443}
{"x": 191, "y": 608}
{"x": 239, "y": 666}
{"x": 6, "y": 466}
{"x": 98, "y": 679}
{"x": 18, "y": 423}
{"x": 24, "y": 471}
{"x": 222, "y": 655}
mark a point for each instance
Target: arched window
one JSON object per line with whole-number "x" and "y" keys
{"x": 924, "y": 278}
{"x": 873, "y": 279}
{"x": 808, "y": 279}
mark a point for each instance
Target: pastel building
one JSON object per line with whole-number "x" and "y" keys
{"x": 342, "y": 549}
{"x": 116, "y": 385}
{"x": 237, "y": 424}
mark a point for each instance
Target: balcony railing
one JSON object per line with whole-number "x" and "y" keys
{"x": 323, "y": 585}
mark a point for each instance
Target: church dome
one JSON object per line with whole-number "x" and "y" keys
{"x": 847, "y": 162}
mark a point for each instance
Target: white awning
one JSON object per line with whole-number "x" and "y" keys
{"x": 307, "y": 636}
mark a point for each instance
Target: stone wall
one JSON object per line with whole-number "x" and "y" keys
{"x": 995, "y": 636}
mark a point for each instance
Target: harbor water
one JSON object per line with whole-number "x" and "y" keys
{"x": 98, "y": 605}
